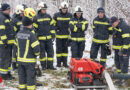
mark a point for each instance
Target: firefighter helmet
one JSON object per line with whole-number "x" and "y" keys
{"x": 64, "y": 5}
{"x": 29, "y": 12}
{"x": 100, "y": 10}
{"x": 78, "y": 9}
{"x": 42, "y": 5}
{"x": 19, "y": 9}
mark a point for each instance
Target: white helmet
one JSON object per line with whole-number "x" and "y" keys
{"x": 19, "y": 9}
{"x": 42, "y": 5}
{"x": 64, "y": 5}
{"x": 78, "y": 9}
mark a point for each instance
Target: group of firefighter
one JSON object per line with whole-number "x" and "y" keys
{"x": 30, "y": 35}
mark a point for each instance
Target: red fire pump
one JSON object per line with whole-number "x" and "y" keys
{"x": 84, "y": 71}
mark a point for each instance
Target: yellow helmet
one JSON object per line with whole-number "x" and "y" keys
{"x": 29, "y": 12}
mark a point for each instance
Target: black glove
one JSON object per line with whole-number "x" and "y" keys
{"x": 108, "y": 50}
{"x": 69, "y": 42}
{"x": 14, "y": 65}
{"x": 6, "y": 45}
{"x": 79, "y": 26}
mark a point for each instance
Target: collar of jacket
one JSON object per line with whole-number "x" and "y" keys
{"x": 102, "y": 19}
{"x": 6, "y": 15}
{"x": 41, "y": 14}
{"x": 27, "y": 29}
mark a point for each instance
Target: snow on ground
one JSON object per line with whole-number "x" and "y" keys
{"x": 56, "y": 80}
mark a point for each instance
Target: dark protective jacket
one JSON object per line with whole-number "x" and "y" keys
{"x": 62, "y": 24}
{"x": 101, "y": 29}
{"x": 6, "y": 30}
{"x": 117, "y": 38}
{"x": 78, "y": 28}
{"x": 26, "y": 46}
{"x": 16, "y": 22}
{"x": 44, "y": 26}
{"x": 124, "y": 36}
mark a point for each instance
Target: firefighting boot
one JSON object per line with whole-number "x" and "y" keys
{"x": 120, "y": 82}
{"x": 5, "y": 77}
{"x": 14, "y": 66}
{"x": 58, "y": 62}
{"x": 38, "y": 84}
{"x": 10, "y": 76}
{"x": 43, "y": 64}
{"x": 50, "y": 65}
{"x": 65, "y": 62}
{"x": 23, "y": 89}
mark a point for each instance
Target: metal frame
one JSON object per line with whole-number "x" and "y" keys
{"x": 90, "y": 87}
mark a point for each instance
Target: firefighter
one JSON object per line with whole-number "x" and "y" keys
{"x": 45, "y": 31}
{"x": 62, "y": 19}
{"x": 17, "y": 20}
{"x": 121, "y": 42}
{"x": 117, "y": 45}
{"x": 101, "y": 28}
{"x": 27, "y": 49}
{"x": 6, "y": 42}
{"x": 78, "y": 26}
{"x": 18, "y": 7}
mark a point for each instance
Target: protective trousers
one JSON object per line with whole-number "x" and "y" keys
{"x": 77, "y": 49}
{"x": 46, "y": 53}
{"x": 94, "y": 52}
{"x": 5, "y": 59}
{"x": 61, "y": 51}
{"x": 27, "y": 75}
